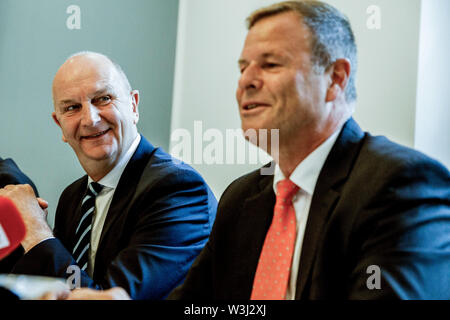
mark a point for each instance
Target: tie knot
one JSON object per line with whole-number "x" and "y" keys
{"x": 95, "y": 188}
{"x": 286, "y": 190}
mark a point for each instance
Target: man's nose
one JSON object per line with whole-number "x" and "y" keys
{"x": 90, "y": 114}
{"x": 251, "y": 78}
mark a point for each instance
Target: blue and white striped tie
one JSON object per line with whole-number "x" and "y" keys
{"x": 83, "y": 232}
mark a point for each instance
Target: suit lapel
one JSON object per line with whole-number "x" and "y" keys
{"x": 127, "y": 186}
{"x": 72, "y": 204}
{"x": 121, "y": 199}
{"x": 253, "y": 223}
{"x": 326, "y": 194}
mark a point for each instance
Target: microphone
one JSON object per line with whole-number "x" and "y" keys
{"x": 17, "y": 286}
{"x": 12, "y": 228}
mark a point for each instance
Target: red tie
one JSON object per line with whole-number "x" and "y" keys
{"x": 274, "y": 266}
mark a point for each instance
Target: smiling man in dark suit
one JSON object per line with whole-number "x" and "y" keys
{"x": 346, "y": 215}
{"x": 137, "y": 219}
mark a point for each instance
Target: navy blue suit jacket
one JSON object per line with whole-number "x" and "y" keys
{"x": 11, "y": 174}
{"x": 160, "y": 218}
{"x": 375, "y": 204}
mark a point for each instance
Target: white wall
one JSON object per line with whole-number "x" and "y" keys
{"x": 210, "y": 36}
{"x": 210, "y": 39}
{"x": 433, "y": 93}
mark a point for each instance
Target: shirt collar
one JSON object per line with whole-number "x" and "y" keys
{"x": 307, "y": 172}
{"x": 111, "y": 180}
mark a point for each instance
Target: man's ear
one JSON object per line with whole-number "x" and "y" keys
{"x": 135, "y": 104}
{"x": 339, "y": 74}
{"x": 58, "y": 124}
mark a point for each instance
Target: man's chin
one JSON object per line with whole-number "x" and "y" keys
{"x": 98, "y": 155}
{"x": 258, "y": 128}
{"x": 261, "y": 135}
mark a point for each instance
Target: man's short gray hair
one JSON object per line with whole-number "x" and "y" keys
{"x": 332, "y": 35}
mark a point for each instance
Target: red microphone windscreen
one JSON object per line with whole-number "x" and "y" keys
{"x": 12, "y": 228}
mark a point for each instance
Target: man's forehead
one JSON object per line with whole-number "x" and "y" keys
{"x": 271, "y": 49}
{"x": 92, "y": 59}
{"x": 88, "y": 86}
{"x": 283, "y": 27}
{"x": 80, "y": 70}
{"x": 276, "y": 36}
{"x": 70, "y": 92}
{"x": 84, "y": 66}
{"x": 95, "y": 76}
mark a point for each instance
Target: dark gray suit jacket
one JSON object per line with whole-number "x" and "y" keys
{"x": 375, "y": 204}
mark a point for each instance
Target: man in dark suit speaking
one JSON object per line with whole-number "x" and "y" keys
{"x": 137, "y": 219}
{"x": 346, "y": 215}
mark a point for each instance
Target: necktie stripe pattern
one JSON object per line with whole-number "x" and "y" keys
{"x": 274, "y": 265}
{"x": 84, "y": 217}
{"x": 83, "y": 231}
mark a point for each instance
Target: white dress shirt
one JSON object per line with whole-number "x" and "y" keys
{"x": 304, "y": 176}
{"x": 103, "y": 201}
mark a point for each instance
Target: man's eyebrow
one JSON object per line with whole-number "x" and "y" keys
{"x": 264, "y": 56}
{"x": 106, "y": 89}
{"x": 68, "y": 101}
{"x": 272, "y": 55}
{"x": 242, "y": 61}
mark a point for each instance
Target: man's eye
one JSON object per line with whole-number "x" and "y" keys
{"x": 71, "y": 108}
{"x": 270, "y": 65}
{"x": 104, "y": 100}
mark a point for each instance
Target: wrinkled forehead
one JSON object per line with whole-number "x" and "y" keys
{"x": 86, "y": 72}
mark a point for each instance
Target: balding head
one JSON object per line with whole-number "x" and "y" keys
{"x": 79, "y": 62}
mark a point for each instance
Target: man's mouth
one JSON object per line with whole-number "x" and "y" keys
{"x": 96, "y": 135}
{"x": 253, "y": 106}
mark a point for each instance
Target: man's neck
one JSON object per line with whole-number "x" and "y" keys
{"x": 99, "y": 169}
{"x": 293, "y": 150}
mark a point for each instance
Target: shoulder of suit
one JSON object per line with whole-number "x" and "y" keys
{"x": 246, "y": 186}
{"x": 11, "y": 174}
{"x": 75, "y": 186}
{"x": 9, "y": 166}
{"x": 162, "y": 166}
{"x": 251, "y": 178}
{"x": 383, "y": 160}
{"x": 379, "y": 151}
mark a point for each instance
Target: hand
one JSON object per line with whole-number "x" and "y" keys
{"x": 55, "y": 295}
{"x": 32, "y": 213}
{"x": 44, "y": 205}
{"x": 116, "y": 293}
